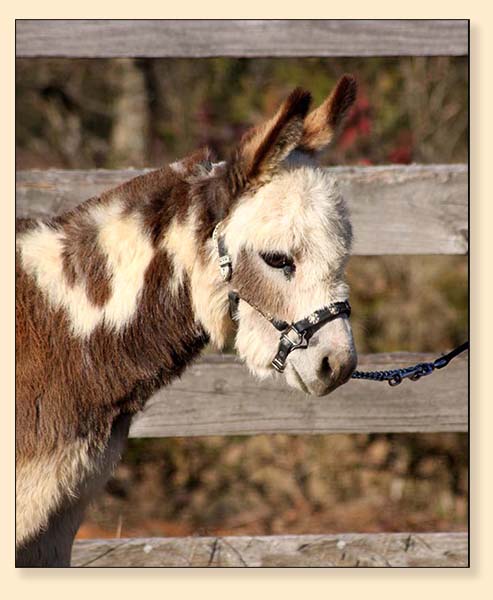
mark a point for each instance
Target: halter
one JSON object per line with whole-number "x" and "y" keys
{"x": 293, "y": 335}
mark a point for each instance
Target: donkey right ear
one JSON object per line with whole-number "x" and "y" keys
{"x": 263, "y": 148}
{"x": 323, "y": 123}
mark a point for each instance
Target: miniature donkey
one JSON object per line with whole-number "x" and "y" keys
{"x": 116, "y": 297}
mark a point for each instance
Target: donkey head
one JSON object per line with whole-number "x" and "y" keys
{"x": 288, "y": 234}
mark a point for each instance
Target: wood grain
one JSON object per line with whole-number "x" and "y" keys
{"x": 341, "y": 550}
{"x": 395, "y": 210}
{"x": 218, "y": 396}
{"x": 242, "y": 38}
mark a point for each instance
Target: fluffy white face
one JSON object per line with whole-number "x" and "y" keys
{"x": 289, "y": 236}
{"x": 289, "y": 243}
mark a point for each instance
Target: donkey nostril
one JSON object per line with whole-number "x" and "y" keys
{"x": 325, "y": 369}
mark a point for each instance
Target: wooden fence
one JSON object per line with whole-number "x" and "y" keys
{"x": 415, "y": 209}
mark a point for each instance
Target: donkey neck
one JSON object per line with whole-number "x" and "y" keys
{"x": 124, "y": 286}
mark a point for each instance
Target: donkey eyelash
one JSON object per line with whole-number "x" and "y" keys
{"x": 277, "y": 260}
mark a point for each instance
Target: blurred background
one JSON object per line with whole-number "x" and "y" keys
{"x": 77, "y": 114}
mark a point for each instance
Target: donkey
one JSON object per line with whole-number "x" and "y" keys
{"x": 116, "y": 297}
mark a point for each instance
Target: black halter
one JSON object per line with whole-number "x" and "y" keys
{"x": 293, "y": 335}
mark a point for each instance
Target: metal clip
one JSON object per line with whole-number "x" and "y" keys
{"x": 286, "y": 346}
{"x": 300, "y": 342}
{"x": 396, "y": 380}
{"x": 278, "y": 363}
{"x": 421, "y": 370}
{"x": 412, "y": 373}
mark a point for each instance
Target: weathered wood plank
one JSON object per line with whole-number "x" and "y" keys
{"x": 395, "y": 210}
{"x": 202, "y": 38}
{"x": 341, "y": 550}
{"x": 218, "y": 396}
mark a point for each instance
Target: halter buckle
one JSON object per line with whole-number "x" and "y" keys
{"x": 286, "y": 345}
{"x": 299, "y": 342}
{"x": 225, "y": 267}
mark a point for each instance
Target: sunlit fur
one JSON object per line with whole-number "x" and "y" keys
{"x": 40, "y": 251}
{"x": 42, "y": 484}
{"x": 127, "y": 251}
{"x": 301, "y": 213}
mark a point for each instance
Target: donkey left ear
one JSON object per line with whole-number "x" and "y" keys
{"x": 263, "y": 148}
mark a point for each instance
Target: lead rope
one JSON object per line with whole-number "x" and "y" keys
{"x": 396, "y": 376}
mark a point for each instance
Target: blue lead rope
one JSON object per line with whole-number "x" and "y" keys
{"x": 395, "y": 376}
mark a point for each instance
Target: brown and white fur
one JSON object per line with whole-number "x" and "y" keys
{"x": 115, "y": 299}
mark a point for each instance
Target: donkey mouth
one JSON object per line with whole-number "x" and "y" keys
{"x": 316, "y": 387}
{"x": 299, "y": 381}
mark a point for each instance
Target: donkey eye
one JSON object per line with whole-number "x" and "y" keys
{"x": 277, "y": 260}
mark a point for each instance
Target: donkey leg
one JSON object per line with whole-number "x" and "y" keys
{"x": 53, "y": 546}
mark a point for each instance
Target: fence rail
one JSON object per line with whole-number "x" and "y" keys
{"x": 245, "y": 38}
{"x": 218, "y": 396}
{"x": 394, "y": 210}
{"x": 341, "y": 550}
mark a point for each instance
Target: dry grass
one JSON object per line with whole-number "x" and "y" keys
{"x": 286, "y": 484}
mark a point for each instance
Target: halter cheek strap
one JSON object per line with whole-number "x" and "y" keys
{"x": 225, "y": 263}
{"x": 293, "y": 335}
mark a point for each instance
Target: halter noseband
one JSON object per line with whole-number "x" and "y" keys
{"x": 293, "y": 335}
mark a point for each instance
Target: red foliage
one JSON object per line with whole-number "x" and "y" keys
{"x": 402, "y": 154}
{"x": 358, "y": 123}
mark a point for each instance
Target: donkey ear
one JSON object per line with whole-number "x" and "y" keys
{"x": 263, "y": 148}
{"x": 323, "y": 123}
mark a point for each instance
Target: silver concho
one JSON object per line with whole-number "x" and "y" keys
{"x": 314, "y": 318}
